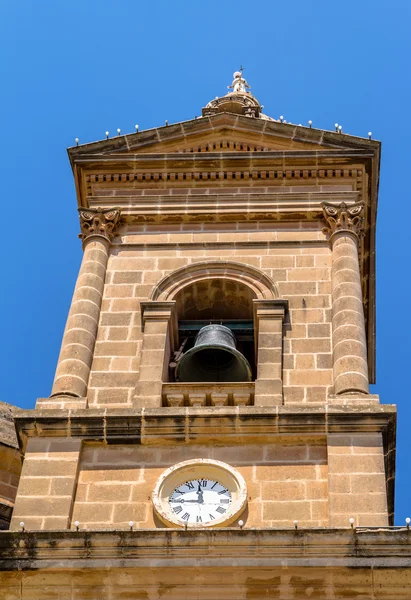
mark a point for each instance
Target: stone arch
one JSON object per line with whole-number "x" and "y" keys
{"x": 262, "y": 286}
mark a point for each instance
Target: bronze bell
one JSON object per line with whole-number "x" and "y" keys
{"x": 214, "y": 357}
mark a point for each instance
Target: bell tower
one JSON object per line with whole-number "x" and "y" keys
{"x": 211, "y": 406}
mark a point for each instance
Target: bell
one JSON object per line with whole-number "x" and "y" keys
{"x": 214, "y": 357}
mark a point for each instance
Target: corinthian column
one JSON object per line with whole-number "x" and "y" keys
{"x": 98, "y": 227}
{"x": 345, "y": 228}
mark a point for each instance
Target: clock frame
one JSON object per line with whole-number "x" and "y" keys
{"x": 198, "y": 469}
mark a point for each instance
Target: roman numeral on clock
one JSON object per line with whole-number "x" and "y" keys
{"x": 223, "y": 492}
{"x": 199, "y": 519}
{"x": 190, "y": 485}
{"x": 221, "y": 509}
{"x": 177, "y": 509}
{"x": 185, "y": 516}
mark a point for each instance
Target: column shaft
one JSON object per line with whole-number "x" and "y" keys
{"x": 349, "y": 341}
{"x": 350, "y": 365}
{"x": 98, "y": 227}
{"x": 77, "y": 348}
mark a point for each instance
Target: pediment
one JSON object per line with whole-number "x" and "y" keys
{"x": 226, "y": 140}
{"x": 223, "y": 133}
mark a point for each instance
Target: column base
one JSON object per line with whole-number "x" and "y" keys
{"x": 62, "y": 401}
{"x": 353, "y": 398}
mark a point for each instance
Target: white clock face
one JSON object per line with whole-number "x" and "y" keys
{"x": 200, "y": 501}
{"x": 199, "y": 493}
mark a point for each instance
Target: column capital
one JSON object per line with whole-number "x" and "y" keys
{"x": 344, "y": 218}
{"x": 98, "y": 222}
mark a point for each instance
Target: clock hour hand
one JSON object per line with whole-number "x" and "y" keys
{"x": 200, "y": 494}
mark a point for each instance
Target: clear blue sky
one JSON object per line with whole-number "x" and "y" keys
{"x": 78, "y": 68}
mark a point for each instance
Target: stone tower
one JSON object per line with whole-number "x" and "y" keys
{"x": 140, "y": 483}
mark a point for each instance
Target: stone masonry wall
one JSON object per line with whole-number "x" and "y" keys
{"x": 357, "y": 479}
{"x": 285, "y": 481}
{"x": 296, "y": 256}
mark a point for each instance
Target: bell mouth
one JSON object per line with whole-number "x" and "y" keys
{"x": 210, "y": 361}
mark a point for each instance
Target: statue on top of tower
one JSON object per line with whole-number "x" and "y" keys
{"x": 239, "y": 84}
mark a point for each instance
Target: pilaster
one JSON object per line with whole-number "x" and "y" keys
{"x": 159, "y": 325}
{"x": 47, "y": 485}
{"x": 268, "y": 334}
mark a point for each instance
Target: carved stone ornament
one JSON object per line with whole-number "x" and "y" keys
{"x": 344, "y": 217}
{"x": 98, "y": 222}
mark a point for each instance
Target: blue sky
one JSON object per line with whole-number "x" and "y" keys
{"x": 79, "y": 68}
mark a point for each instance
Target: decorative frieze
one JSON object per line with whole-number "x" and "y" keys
{"x": 98, "y": 222}
{"x": 304, "y": 173}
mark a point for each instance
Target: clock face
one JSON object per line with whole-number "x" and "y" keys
{"x": 200, "y": 501}
{"x": 199, "y": 493}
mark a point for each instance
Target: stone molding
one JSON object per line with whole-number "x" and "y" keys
{"x": 333, "y": 548}
{"x": 98, "y": 222}
{"x": 157, "y": 310}
{"x": 308, "y": 173}
{"x": 262, "y": 285}
{"x": 344, "y": 218}
{"x": 269, "y": 309}
{"x": 148, "y": 425}
{"x": 160, "y": 205}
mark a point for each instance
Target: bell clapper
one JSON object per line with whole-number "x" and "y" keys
{"x": 178, "y": 353}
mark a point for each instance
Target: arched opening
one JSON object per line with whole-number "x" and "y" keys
{"x": 215, "y": 301}
{"x": 241, "y": 300}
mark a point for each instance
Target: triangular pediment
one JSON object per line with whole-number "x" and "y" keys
{"x": 223, "y": 133}
{"x": 226, "y": 139}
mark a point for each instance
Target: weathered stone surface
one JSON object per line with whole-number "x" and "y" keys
{"x": 10, "y": 463}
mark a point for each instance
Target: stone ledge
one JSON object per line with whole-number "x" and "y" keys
{"x": 202, "y": 394}
{"x": 381, "y": 548}
{"x": 170, "y": 425}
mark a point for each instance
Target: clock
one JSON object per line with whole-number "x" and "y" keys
{"x": 199, "y": 493}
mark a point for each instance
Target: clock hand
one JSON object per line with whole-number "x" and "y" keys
{"x": 200, "y": 494}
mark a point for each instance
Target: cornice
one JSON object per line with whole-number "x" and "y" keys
{"x": 255, "y": 205}
{"x": 224, "y": 547}
{"x": 257, "y": 127}
{"x": 199, "y": 425}
{"x": 194, "y": 157}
